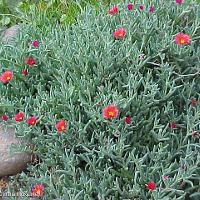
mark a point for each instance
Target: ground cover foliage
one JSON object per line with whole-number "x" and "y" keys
{"x": 81, "y": 69}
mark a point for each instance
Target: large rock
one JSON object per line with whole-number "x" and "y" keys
{"x": 11, "y": 164}
{"x": 9, "y": 34}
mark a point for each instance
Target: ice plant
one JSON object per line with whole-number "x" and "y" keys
{"x": 178, "y": 2}
{"x": 114, "y": 10}
{"x": 130, "y": 6}
{"x": 119, "y": 33}
{"x": 151, "y": 9}
{"x": 141, "y": 7}
{"x": 110, "y": 112}
{"x": 150, "y": 185}
{"x": 31, "y": 120}
{"x": 30, "y": 61}
{"x": 19, "y": 117}
{"x": 127, "y": 120}
{"x": 182, "y": 39}
{"x": 4, "y": 117}
{"x": 35, "y": 43}
{"x": 173, "y": 125}
{"x": 37, "y": 190}
{"x": 6, "y": 76}
{"x": 183, "y": 167}
{"x": 25, "y": 72}
{"x": 61, "y": 126}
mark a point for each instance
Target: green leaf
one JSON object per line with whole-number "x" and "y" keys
{"x": 5, "y": 21}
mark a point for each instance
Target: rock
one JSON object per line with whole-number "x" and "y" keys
{"x": 11, "y": 164}
{"x": 9, "y": 34}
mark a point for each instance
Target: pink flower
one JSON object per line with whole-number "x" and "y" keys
{"x": 30, "y": 61}
{"x": 119, "y": 33}
{"x": 114, "y": 10}
{"x": 130, "y": 6}
{"x": 4, "y": 117}
{"x": 25, "y": 72}
{"x": 151, "y": 9}
{"x": 32, "y": 120}
{"x": 127, "y": 120}
{"x": 19, "y": 117}
{"x": 110, "y": 112}
{"x": 61, "y": 126}
{"x": 35, "y": 43}
{"x": 178, "y": 2}
{"x": 6, "y": 77}
{"x": 37, "y": 190}
{"x": 141, "y": 7}
{"x": 150, "y": 185}
{"x": 173, "y": 125}
{"x": 182, "y": 39}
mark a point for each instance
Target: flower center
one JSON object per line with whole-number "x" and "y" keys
{"x": 8, "y": 78}
{"x": 111, "y": 114}
{"x": 62, "y": 127}
{"x": 182, "y": 41}
{"x": 38, "y": 192}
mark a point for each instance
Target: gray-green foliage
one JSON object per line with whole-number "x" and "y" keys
{"x": 81, "y": 69}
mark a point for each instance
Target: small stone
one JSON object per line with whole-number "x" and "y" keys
{"x": 11, "y": 164}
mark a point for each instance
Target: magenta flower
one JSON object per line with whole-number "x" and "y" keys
{"x": 127, "y": 120}
{"x": 150, "y": 186}
{"x": 178, "y": 2}
{"x": 141, "y": 7}
{"x": 35, "y": 43}
{"x": 114, "y": 10}
{"x": 4, "y": 117}
{"x": 130, "y": 6}
{"x": 151, "y": 9}
{"x": 173, "y": 125}
{"x": 25, "y": 72}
